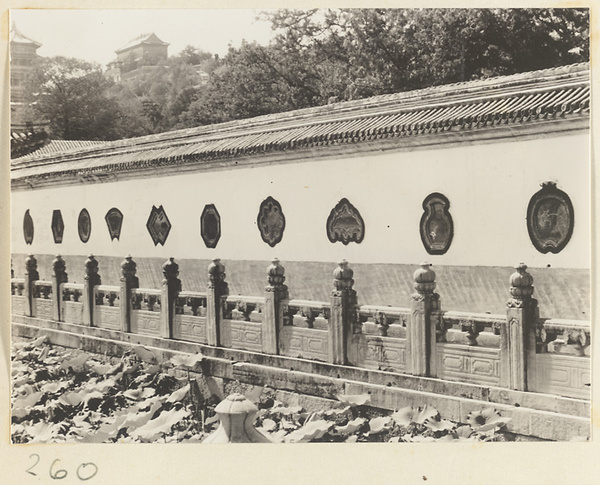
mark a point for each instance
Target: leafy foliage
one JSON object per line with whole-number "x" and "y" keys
{"x": 62, "y": 395}
{"x": 316, "y": 57}
{"x": 72, "y": 95}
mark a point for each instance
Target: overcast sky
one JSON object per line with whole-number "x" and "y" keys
{"x": 93, "y": 35}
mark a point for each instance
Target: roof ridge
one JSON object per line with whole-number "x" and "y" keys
{"x": 435, "y": 96}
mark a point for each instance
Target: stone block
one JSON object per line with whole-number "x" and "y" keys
{"x": 558, "y": 427}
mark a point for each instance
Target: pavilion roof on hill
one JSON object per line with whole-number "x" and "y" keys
{"x": 150, "y": 39}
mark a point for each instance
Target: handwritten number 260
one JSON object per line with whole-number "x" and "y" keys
{"x": 84, "y": 472}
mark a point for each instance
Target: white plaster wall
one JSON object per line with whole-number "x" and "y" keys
{"x": 488, "y": 185}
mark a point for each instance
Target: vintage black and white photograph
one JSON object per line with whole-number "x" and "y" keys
{"x": 331, "y": 225}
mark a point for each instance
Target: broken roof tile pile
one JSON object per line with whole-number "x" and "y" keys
{"x": 530, "y": 97}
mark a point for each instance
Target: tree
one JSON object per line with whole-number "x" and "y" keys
{"x": 73, "y": 96}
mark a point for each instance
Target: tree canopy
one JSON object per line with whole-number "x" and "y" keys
{"x": 72, "y": 96}
{"x": 316, "y": 57}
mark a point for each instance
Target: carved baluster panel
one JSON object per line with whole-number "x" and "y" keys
{"x": 256, "y": 315}
{"x": 472, "y": 328}
{"x": 321, "y": 321}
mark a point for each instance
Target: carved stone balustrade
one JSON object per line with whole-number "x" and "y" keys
{"x": 343, "y": 319}
{"x": 518, "y": 335}
{"x": 244, "y": 308}
{"x": 422, "y": 330}
{"x": 218, "y": 290}
{"x": 59, "y": 278}
{"x": 171, "y": 286}
{"x": 564, "y": 336}
{"x": 90, "y": 280}
{"x": 275, "y": 306}
{"x": 128, "y": 281}
{"x": 384, "y": 321}
{"x": 42, "y": 289}
{"x": 72, "y": 292}
{"x": 107, "y": 295}
{"x": 476, "y": 328}
{"x": 17, "y": 286}
{"x": 308, "y": 314}
{"x": 31, "y": 275}
{"x": 147, "y": 299}
{"x": 191, "y": 303}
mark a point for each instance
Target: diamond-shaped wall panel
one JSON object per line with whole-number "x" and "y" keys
{"x": 158, "y": 225}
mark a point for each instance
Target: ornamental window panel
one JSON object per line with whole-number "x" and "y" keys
{"x": 158, "y": 225}
{"x": 436, "y": 226}
{"x": 58, "y": 226}
{"x": 550, "y": 219}
{"x": 271, "y": 221}
{"x": 28, "y": 227}
{"x": 210, "y": 226}
{"x": 114, "y": 222}
{"x": 345, "y": 224}
{"x": 84, "y": 225}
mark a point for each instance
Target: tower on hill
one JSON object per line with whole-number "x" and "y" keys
{"x": 138, "y": 56}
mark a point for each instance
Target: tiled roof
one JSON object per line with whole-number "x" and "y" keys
{"x": 551, "y": 94}
{"x": 64, "y": 145}
{"x": 17, "y": 37}
{"x": 142, "y": 39}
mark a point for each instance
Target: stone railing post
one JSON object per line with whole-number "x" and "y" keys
{"x": 236, "y": 414}
{"x": 518, "y": 335}
{"x": 171, "y": 286}
{"x": 91, "y": 279}
{"x": 128, "y": 281}
{"x": 343, "y": 313}
{"x": 421, "y": 327}
{"x": 59, "y": 276}
{"x": 276, "y": 296}
{"x": 31, "y": 276}
{"x": 217, "y": 292}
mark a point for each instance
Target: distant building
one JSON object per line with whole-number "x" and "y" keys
{"x": 23, "y": 58}
{"x": 138, "y": 56}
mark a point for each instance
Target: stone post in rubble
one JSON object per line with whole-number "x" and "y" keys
{"x": 171, "y": 286}
{"x": 343, "y": 313}
{"x": 129, "y": 280}
{"x": 421, "y": 327}
{"x": 217, "y": 293}
{"x": 31, "y": 276}
{"x": 59, "y": 276}
{"x": 517, "y": 336}
{"x": 90, "y": 280}
{"x": 276, "y": 297}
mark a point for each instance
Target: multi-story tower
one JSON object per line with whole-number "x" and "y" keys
{"x": 138, "y": 56}
{"x": 23, "y": 57}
